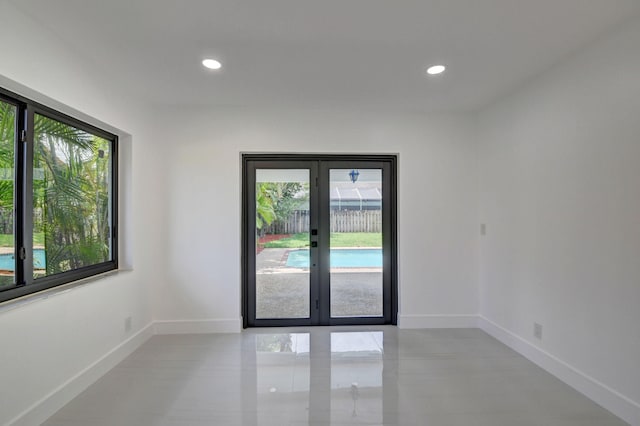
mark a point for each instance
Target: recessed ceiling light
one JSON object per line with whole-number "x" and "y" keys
{"x": 212, "y": 64}
{"x": 436, "y": 69}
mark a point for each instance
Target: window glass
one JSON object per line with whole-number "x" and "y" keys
{"x": 7, "y": 221}
{"x": 71, "y": 198}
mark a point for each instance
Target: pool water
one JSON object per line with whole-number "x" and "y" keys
{"x": 8, "y": 263}
{"x": 340, "y": 258}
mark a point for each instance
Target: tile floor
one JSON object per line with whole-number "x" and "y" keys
{"x": 330, "y": 376}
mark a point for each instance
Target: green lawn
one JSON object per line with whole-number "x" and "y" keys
{"x": 350, "y": 239}
{"x": 6, "y": 240}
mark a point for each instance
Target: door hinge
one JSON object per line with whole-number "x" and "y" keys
{"x": 22, "y": 253}
{"x": 23, "y": 135}
{"x": 317, "y": 304}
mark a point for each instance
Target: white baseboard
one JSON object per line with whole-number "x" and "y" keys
{"x": 198, "y": 326}
{"x": 41, "y": 410}
{"x": 437, "y": 321}
{"x": 618, "y": 404}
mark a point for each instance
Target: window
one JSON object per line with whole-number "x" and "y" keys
{"x": 58, "y": 184}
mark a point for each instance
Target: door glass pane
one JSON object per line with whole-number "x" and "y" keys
{"x": 356, "y": 242}
{"x": 282, "y": 243}
{"x": 7, "y": 239}
{"x": 71, "y": 198}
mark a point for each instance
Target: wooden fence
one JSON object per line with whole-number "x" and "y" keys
{"x": 340, "y": 220}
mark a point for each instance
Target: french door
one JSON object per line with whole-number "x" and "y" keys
{"x": 319, "y": 240}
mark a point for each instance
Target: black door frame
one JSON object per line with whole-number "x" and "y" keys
{"x": 319, "y": 165}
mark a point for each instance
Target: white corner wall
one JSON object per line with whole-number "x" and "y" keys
{"x": 436, "y": 205}
{"x": 52, "y": 347}
{"x": 560, "y": 197}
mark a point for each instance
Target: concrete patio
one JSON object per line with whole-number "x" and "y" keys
{"x": 283, "y": 292}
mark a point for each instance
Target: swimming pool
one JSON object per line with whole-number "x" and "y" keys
{"x": 340, "y": 258}
{"x": 8, "y": 263}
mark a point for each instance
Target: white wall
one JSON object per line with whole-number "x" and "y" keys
{"x": 560, "y": 194}
{"x": 437, "y": 204}
{"x": 49, "y": 341}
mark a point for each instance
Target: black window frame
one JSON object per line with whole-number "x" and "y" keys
{"x": 25, "y": 284}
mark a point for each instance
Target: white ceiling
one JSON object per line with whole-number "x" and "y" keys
{"x": 348, "y": 53}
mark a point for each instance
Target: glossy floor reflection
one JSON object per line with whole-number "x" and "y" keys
{"x": 330, "y": 376}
